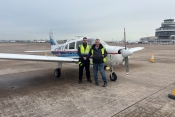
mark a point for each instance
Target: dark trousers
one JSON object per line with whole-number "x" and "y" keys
{"x": 86, "y": 65}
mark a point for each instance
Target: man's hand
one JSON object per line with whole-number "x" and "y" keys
{"x": 91, "y": 56}
{"x": 103, "y": 56}
{"x": 84, "y": 58}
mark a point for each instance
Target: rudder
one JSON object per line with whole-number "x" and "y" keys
{"x": 53, "y": 42}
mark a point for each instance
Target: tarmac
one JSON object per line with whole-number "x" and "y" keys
{"x": 29, "y": 88}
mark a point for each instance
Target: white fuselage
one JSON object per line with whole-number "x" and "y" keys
{"x": 69, "y": 49}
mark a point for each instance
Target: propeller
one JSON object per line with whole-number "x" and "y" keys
{"x": 125, "y": 53}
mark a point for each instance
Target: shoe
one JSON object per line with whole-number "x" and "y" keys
{"x": 89, "y": 80}
{"x": 79, "y": 82}
{"x": 96, "y": 83}
{"x": 105, "y": 84}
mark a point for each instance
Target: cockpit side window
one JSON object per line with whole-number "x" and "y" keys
{"x": 72, "y": 45}
{"x": 78, "y": 43}
{"x": 66, "y": 46}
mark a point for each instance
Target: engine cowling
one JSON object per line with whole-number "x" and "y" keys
{"x": 126, "y": 53}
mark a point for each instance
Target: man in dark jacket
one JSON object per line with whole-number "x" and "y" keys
{"x": 98, "y": 54}
{"x": 83, "y": 52}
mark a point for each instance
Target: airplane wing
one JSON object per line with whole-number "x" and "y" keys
{"x": 39, "y": 51}
{"x": 136, "y": 49}
{"x": 36, "y": 58}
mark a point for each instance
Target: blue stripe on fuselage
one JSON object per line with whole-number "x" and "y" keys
{"x": 65, "y": 54}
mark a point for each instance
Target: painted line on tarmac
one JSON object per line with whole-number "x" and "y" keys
{"x": 142, "y": 99}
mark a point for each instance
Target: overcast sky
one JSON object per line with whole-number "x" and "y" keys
{"x": 105, "y": 19}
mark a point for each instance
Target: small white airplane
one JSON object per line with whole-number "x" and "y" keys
{"x": 132, "y": 42}
{"x": 67, "y": 52}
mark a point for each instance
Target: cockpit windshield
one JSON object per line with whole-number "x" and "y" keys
{"x": 91, "y": 41}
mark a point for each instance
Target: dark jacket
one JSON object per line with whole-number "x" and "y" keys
{"x": 81, "y": 56}
{"x": 97, "y": 55}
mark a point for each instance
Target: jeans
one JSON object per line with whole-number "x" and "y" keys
{"x": 99, "y": 66}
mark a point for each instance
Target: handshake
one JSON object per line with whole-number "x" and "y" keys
{"x": 84, "y": 58}
{"x": 92, "y": 56}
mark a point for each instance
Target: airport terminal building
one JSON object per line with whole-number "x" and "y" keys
{"x": 164, "y": 34}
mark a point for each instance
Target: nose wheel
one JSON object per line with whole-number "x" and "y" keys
{"x": 57, "y": 72}
{"x": 113, "y": 76}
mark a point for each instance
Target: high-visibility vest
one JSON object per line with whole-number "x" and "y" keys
{"x": 83, "y": 50}
{"x": 102, "y": 51}
{"x": 80, "y": 63}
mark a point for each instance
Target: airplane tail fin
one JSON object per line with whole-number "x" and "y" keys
{"x": 53, "y": 42}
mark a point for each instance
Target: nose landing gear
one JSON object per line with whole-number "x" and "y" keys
{"x": 113, "y": 75}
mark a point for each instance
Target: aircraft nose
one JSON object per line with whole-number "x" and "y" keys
{"x": 126, "y": 53}
{"x": 115, "y": 50}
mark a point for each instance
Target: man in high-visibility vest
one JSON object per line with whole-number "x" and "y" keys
{"x": 83, "y": 52}
{"x": 98, "y": 54}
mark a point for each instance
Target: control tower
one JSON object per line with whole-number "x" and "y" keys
{"x": 166, "y": 33}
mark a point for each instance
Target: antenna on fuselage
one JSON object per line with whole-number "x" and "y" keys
{"x": 78, "y": 36}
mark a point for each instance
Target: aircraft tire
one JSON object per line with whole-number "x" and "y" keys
{"x": 113, "y": 76}
{"x": 57, "y": 72}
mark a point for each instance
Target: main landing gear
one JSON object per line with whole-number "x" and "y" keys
{"x": 57, "y": 72}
